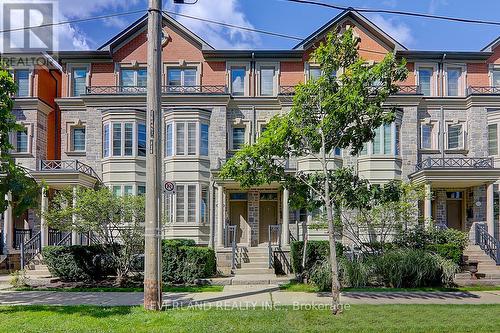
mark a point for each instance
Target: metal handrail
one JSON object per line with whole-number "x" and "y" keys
{"x": 68, "y": 165}
{"x": 489, "y": 244}
{"x": 65, "y": 241}
{"x": 455, "y": 162}
{"x": 274, "y": 241}
{"x": 1, "y": 241}
{"x": 141, "y": 90}
{"x": 231, "y": 241}
{"x": 483, "y": 90}
{"x": 20, "y": 236}
{"x": 30, "y": 249}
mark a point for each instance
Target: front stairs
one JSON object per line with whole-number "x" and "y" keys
{"x": 253, "y": 267}
{"x": 36, "y": 269}
{"x": 488, "y": 272}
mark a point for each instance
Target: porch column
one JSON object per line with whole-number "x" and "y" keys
{"x": 8, "y": 227}
{"x": 427, "y": 204}
{"x": 74, "y": 234}
{"x": 286, "y": 219}
{"x": 490, "y": 219}
{"x": 44, "y": 230}
{"x": 220, "y": 216}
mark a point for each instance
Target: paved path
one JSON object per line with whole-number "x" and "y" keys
{"x": 245, "y": 296}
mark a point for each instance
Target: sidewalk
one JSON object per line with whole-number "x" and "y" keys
{"x": 245, "y": 296}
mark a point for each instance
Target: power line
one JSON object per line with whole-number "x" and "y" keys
{"x": 395, "y": 12}
{"x": 75, "y": 21}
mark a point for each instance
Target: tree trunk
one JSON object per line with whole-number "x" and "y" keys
{"x": 304, "y": 253}
{"x": 333, "y": 259}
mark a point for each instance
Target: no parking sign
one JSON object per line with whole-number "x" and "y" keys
{"x": 169, "y": 187}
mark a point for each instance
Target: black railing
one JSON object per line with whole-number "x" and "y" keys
{"x": 274, "y": 242}
{"x": 484, "y": 90}
{"x": 1, "y": 242}
{"x": 30, "y": 249}
{"x": 455, "y": 163}
{"x": 403, "y": 90}
{"x": 141, "y": 90}
{"x": 55, "y": 237}
{"x": 65, "y": 240}
{"x": 21, "y": 236}
{"x": 287, "y": 164}
{"x": 230, "y": 241}
{"x": 489, "y": 244}
{"x": 68, "y": 165}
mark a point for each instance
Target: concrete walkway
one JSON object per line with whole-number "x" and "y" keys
{"x": 246, "y": 297}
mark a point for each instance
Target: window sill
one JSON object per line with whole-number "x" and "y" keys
{"x": 140, "y": 158}
{"x": 457, "y": 151}
{"x": 21, "y": 155}
{"x": 429, "y": 151}
{"x": 76, "y": 153}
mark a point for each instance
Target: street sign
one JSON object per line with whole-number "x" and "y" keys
{"x": 169, "y": 187}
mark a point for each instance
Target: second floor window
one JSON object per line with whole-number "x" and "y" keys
{"x": 453, "y": 78}
{"x": 181, "y": 77}
{"x": 238, "y": 81}
{"x": 124, "y": 139}
{"x": 141, "y": 139}
{"x": 22, "y": 141}
{"x": 78, "y": 139}
{"x": 314, "y": 73}
{"x": 455, "y": 136}
{"x": 134, "y": 77}
{"x": 204, "y": 139}
{"x": 79, "y": 81}
{"x": 21, "y": 77}
{"x": 238, "y": 137}
{"x": 495, "y": 77}
{"x": 186, "y": 138}
{"x": 424, "y": 80}
{"x": 267, "y": 81}
{"x": 492, "y": 139}
{"x": 384, "y": 141}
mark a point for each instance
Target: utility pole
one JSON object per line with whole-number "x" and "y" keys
{"x": 152, "y": 234}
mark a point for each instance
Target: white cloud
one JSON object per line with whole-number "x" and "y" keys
{"x": 397, "y": 30}
{"x": 227, "y": 11}
{"x": 434, "y": 4}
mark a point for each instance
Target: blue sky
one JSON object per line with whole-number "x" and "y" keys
{"x": 290, "y": 18}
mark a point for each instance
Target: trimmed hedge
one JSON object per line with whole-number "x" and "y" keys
{"x": 317, "y": 251}
{"x": 79, "y": 263}
{"x": 183, "y": 262}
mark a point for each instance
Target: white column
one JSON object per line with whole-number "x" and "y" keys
{"x": 427, "y": 204}
{"x": 220, "y": 216}
{"x": 74, "y": 234}
{"x": 286, "y": 219}
{"x": 44, "y": 230}
{"x": 490, "y": 221}
{"x": 8, "y": 227}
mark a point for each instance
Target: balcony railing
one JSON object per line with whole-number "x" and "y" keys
{"x": 403, "y": 90}
{"x": 141, "y": 90}
{"x": 456, "y": 163}
{"x": 68, "y": 165}
{"x": 483, "y": 90}
{"x": 287, "y": 90}
{"x": 288, "y": 164}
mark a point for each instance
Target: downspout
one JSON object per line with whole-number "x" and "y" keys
{"x": 211, "y": 242}
{"x": 56, "y": 115}
{"x": 254, "y": 93}
{"x": 442, "y": 109}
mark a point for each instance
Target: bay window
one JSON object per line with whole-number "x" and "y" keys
{"x": 105, "y": 141}
{"x": 141, "y": 139}
{"x": 190, "y": 204}
{"x": 129, "y": 139}
{"x": 385, "y": 142}
{"x": 169, "y": 140}
{"x": 186, "y": 138}
{"x": 204, "y": 139}
{"x": 124, "y": 139}
{"x": 117, "y": 139}
{"x": 179, "y": 138}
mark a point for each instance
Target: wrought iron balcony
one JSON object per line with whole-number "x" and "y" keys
{"x": 287, "y": 164}
{"x": 455, "y": 163}
{"x": 68, "y": 166}
{"x": 141, "y": 90}
{"x": 403, "y": 90}
{"x": 483, "y": 90}
{"x": 287, "y": 90}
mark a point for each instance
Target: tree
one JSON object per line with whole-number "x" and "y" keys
{"x": 340, "y": 109}
{"x": 109, "y": 218}
{"x": 14, "y": 179}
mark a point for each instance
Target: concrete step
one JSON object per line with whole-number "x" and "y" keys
{"x": 38, "y": 273}
{"x": 254, "y": 265}
{"x": 475, "y": 282}
{"x": 253, "y": 271}
{"x": 260, "y": 279}
{"x": 488, "y": 275}
{"x": 254, "y": 259}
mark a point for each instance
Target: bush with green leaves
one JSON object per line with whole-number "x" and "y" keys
{"x": 316, "y": 251}
{"x": 79, "y": 262}
{"x": 184, "y": 262}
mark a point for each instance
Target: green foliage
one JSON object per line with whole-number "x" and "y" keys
{"x": 356, "y": 273}
{"x": 80, "y": 263}
{"x": 321, "y": 275}
{"x": 183, "y": 262}
{"x": 18, "y": 279}
{"x": 317, "y": 251}
{"x": 449, "y": 251}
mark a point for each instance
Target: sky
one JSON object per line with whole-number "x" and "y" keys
{"x": 285, "y": 17}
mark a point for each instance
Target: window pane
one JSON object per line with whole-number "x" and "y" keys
{"x": 128, "y": 190}
{"x": 314, "y": 73}
{"x": 142, "y": 77}
{"x": 204, "y": 205}
{"x": 141, "y": 190}
{"x": 117, "y": 190}
{"x": 169, "y": 140}
{"x": 238, "y": 137}
{"x": 337, "y": 151}
{"x": 141, "y": 139}
{"x": 454, "y": 136}
{"x": 397, "y": 139}
{"x": 174, "y": 77}
{"x": 266, "y": 81}
{"x": 387, "y": 139}
{"x": 129, "y": 141}
{"x": 78, "y": 139}
{"x": 424, "y": 80}
{"x": 22, "y": 141}
{"x": 117, "y": 139}
{"x": 453, "y": 79}
{"x": 426, "y": 137}
{"x": 190, "y": 77}
{"x": 496, "y": 77}
{"x": 179, "y": 138}
{"x": 191, "y": 138}
{"x": 127, "y": 76}
{"x": 204, "y": 139}
{"x": 191, "y": 203}
{"x": 79, "y": 81}
{"x": 493, "y": 139}
{"x": 179, "y": 204}
{"x": 238, "y": 81}
{"x": 105, "y": 142}
{"x": 376, "y": 141}
{"x": 22, "y": 81}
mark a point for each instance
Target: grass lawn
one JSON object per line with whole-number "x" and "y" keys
{"x": 358, "y": 318}
{"x": 309, "y": 288}
{"x": 170, "y": 289}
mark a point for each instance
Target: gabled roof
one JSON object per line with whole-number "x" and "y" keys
{"x": 141, "y": 24}
{"x": 492, "y": 45}
{"x": 356, "y": 17}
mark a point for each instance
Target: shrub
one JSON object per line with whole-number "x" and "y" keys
{"x": 183, "y": 262}
{"x": 449, "y": 251}
{"x": 317, "y": 251}
{"x": 321, "y": 275}
{"x": 18, "y": 279}
{"x": 356, "y": 273}
{"x": 80, "y": 263}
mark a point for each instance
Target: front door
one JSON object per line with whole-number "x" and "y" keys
{"x": 238, "y": 217}
{"x": 454, "y": 211}
{"x": 268, "y": 215}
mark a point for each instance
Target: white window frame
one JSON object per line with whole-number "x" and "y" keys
{"x": 29, "y": 133}
{"x": 181, "y": 64}
{"x": 266, "y": 65}
{"x": 30, "y": 80}
{"x": 70, "y": 69}
{"x": 70, "y": 140}
{"x": 308, "y": 67}
{"x": 174, "y": 123}
{"x": 135, "y": 68}
{"x": 462, "y": 84}
{"x": 434, "y": 77}
{"x": 135, "y": 151}
{"x": 493, "y": 68}
{"x": 246, "y": 82}
{"x": 198, "y": 197}
{"x": 498, "y": 137}
{"x": 462, "y": 143}
{"x": 434, "y": 134}
{"x": 239, "y": 123}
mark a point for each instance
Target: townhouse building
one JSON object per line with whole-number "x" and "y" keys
{"x": 91, "y": 129}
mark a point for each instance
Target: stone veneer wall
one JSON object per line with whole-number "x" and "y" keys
{"x": 253, "y": 216}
